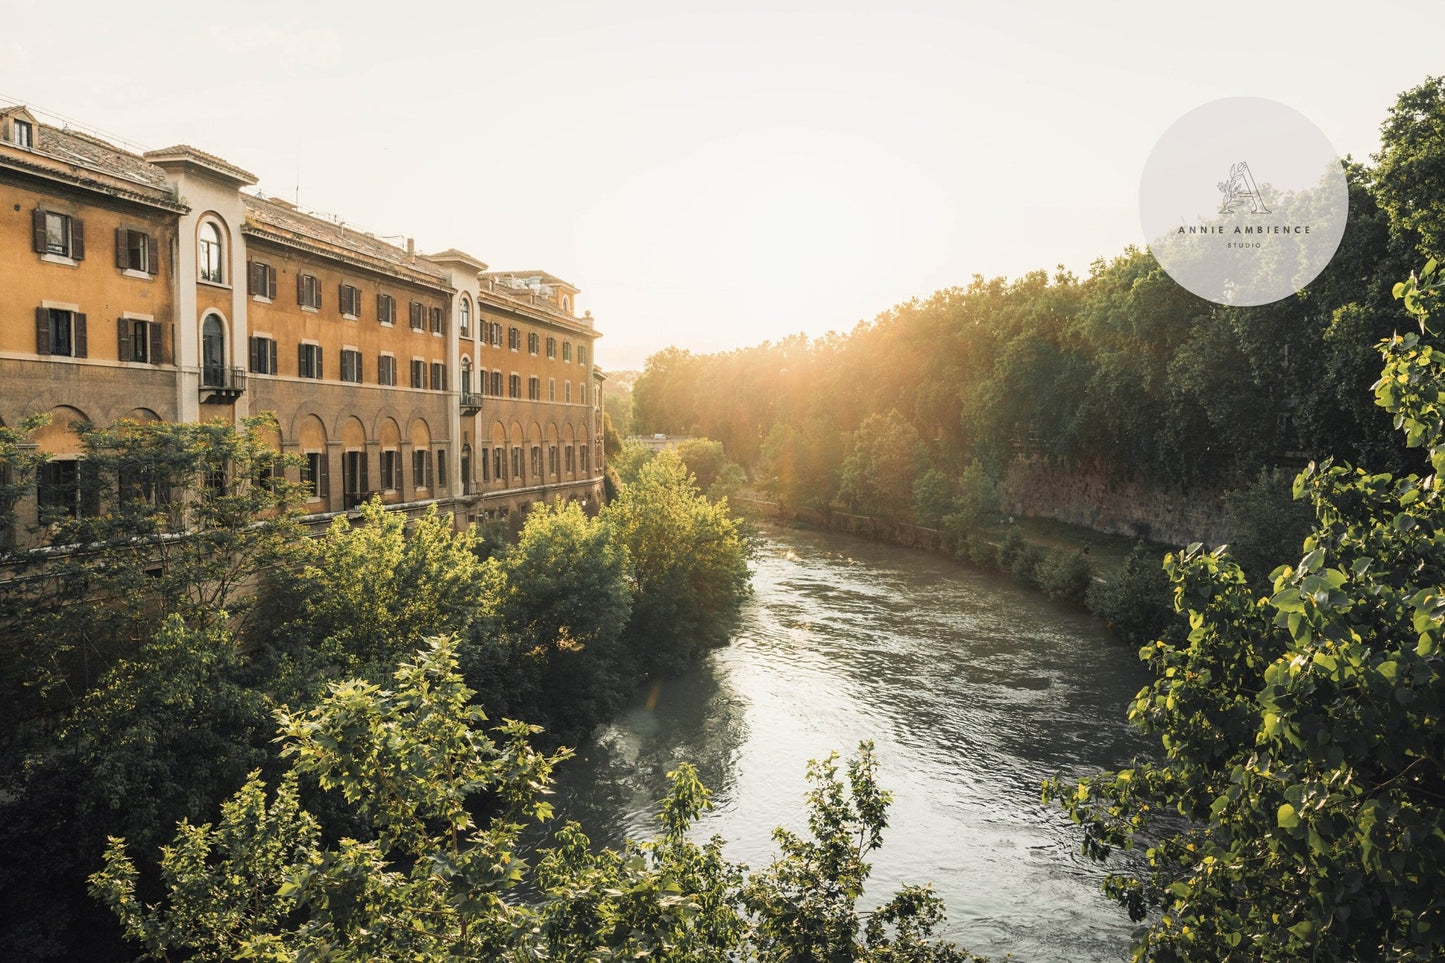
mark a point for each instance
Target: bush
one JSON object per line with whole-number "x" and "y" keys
{"x": 1136, "y": 601}
{"x": 1269, "y": 525}
{"x": 1065, "y": 576}
{"x": 1026, "y": 563}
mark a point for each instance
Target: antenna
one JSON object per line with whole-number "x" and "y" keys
{"x": 298, "y": 172}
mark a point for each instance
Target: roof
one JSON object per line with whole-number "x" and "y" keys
{"x": 452, "y": 256}
{"x": 190, "y": 156}
{"x": 89, "y": 162}
{"x": 537, "y": 275}
{"x": 284, "y": 223}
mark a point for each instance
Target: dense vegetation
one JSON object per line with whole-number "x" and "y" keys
{"x": 1122, "y": 371}
{"x": 150, "y": 644}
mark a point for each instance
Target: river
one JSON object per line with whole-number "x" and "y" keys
{"x": 974, "y": 691}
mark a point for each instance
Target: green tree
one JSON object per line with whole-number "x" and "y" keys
{"x": 882, "y": 464}
{"x": 1410, "y": 168}
{"x": 689, "y": 563}
{"x": 1301, "y": 730}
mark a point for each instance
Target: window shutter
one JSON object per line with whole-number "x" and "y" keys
{"x": 80, "y": 335}
{"x": 301, "y": 361}
{"x": 121, "y": 260}
{"x": 300, "y": 288}
{"x": 124, "y": 329}
{"x": 318, "y": 361}
{"x": 381, "y": 308}
{"x": 37, "y": 228}
{"x": 160, "y": 343}
{"x": 255, "y": 355}
{"x": 153, "y": 258}
{"x": 77, "y": 241}
{"x": 323, "y": 487}
{"x": 42, "y": 330}
{"x": 253, "y": 281}
{"x": 343, "y": 299}
{"x": 365, "y": 482}
{"x": 270, "y": 273}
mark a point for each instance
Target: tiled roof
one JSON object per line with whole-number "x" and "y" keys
{"x": 93, "y": 163}
{"x": 344, "y": 241}
{"x": 185, "y": 152}
{"x": 540, "y": 275}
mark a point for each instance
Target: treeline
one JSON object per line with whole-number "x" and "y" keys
{"x": 152, "y": 640}
{"x": 1122, "y": 370}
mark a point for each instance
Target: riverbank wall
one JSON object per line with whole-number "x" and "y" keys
{"x": 1090, "y": 498}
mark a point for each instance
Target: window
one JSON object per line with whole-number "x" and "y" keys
{"x": 314, "y": 475}
{"x": 418, "y": 315}
{"x": 534, "y": 388}
{"x": 441, "y": 468}
{"x": 438, "y": 376}
{"x": 351, "y": 365}
{"x": 582, "y": 458}
{"x": 60, "y": 332}
{"x": 466, "y": 384}
{"x": 354, "y": 483}
{"x": 496, "y": 334}
{"x": 552, "y": 348}
{"x": 58, "y": 488}
{"x": 486, "y": 467}
{"x": 22, "y": 134}
{"x": 386, "y": 309}
{"x": 567, "y": 392}
{"x": 582, "y": 354}
{"x": 497, "y": 383}
{"x": 140, "y": 340}
{"x": 514, "y": 386}
{"x": 533, "y": 342}
{"x": 551, "y": 459}
{"x": 418, "y": 373}
{"x": 571, "y": 460}
{"x": 261, "y": 280}
{"x": 465, "y": 313}
{"x": 499, "y": 463}
{"x": 208, "y": 253}
{"x": 391, "y": 469}
{"x": 421, "y": 468}
{"x": 213, "y": 352}
{"x": 386, "y": 369}
{"x": 438, "y": 324}
{"x": 308, "y": 361}
{"x": 566, "y": 350}
{"x": 566, "y": 304}
{"x": 537, "y": 461}
{"x": 514, "y": 339}
{"x": 349, "y": 298}
{"x": 263, "y": 355}
{"x": 136, "y": 251}
{"x": 517, "y": 466}
{"x": 58, "y": 234}
{"x": 551, "y": 389}
{"x": 308, "y": 291}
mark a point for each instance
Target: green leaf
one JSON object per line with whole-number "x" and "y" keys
{"x": 1287, "y": 817}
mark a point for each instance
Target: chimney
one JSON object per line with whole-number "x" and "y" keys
{"x": 411, "y": 247}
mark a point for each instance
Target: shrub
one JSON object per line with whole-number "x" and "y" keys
{"x": 1065, "y": 576}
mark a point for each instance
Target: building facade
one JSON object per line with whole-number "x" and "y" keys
{"x": 159, "y": 286}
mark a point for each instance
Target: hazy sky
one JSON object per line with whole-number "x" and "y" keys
{"x": 714, "y": 175}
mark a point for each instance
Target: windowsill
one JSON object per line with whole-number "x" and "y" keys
{"x": 351, "y": 317}
{"x": 260, "y": 299}
{"x": 214, "y": 284}
{"x": 139, "y": 275}
{"x": 309, "y": 309}
{"x": 387, "y": 324}
{"x": 59, "y": 259}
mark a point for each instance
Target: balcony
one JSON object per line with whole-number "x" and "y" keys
{"x": 221, "y": 385}
{"x": 471, "y": 403}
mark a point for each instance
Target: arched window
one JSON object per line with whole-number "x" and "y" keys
{"x": 213, "y": 352}
{"x": 466, "y": 469}
{"x": 466, "y": 377}
{"x": 466, "y": 316}
{"x": 566, "y": 304}
{"x": 208, "y": 253}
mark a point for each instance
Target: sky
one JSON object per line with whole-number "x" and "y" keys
{"x": 715, "y": 175}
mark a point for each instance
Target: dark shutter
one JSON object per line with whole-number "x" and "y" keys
{"x": 153, "y": 258}
{"x": 253, "y": 282}
{"x": 122, "y": 260}
{"x": 301, "y": 371}
{"x": 79, "y": 351}
{"x": 381, "y": 307}
{"x": 270, "y": 281}
{"x": 123, "y": 333}
{"x": 365, "y": 482}
{"x": 323, "y": 485}
{"x": 37, "y": 227}
{"x": 255, "y": 356}
{"x": 77, "y": 241}
{"x": 42, "y": 330}
{"x": 300, "y": 288}
{"x": 318, "y": 362}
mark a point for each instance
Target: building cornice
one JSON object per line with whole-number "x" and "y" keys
{"x": 349, "y": 259}
{"x": 92, "y": 181}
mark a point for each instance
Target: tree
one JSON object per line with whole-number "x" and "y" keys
{"x": 1302, "y": 731}
{"x": 689, "y": 563}
{"x": 1410, "y": 168}
{"x": 434, "y": 885}
{"x": 878, "y": 474}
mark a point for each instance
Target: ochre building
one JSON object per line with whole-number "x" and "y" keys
{"x": 161, "y": 286}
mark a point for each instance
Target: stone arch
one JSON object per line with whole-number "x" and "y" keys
{"x": 387, "y": 432}
{"x": 144, "y": 415}
{"x": 59, "y": 437}
{"x": 351, "y": 432}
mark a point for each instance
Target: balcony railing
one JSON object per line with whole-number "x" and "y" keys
{"x": 221, "y": 385}
{"x": 471, "y": 403}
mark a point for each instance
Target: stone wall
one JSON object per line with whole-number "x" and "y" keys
{"x": 1083, "y": 496}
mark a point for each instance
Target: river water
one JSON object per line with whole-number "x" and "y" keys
{"x": 974, "y": 691}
